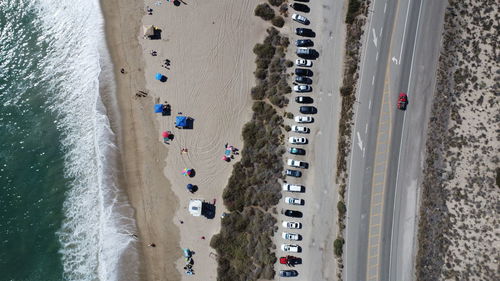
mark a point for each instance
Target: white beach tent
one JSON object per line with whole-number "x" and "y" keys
{"x": 195, "y": 207}
{"x": 148, "y": 30}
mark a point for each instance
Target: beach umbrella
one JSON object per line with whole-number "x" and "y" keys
{"x": 186, "y": 172}
{"x": 165, "y": 134}
{"x": 148, "y": 30}
{"x": 181, "y": 121}
{"x": 158, "y": 108}
{"x": 224, "y": 158}
{"x": 189, "y": 187}
{"x": 159, "y": 76}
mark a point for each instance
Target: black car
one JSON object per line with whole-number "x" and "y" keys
{"x": 305, "y": 1}
{"x": 288, "y": 273}
{"x": 297, "y": 151}
{"x": 292, "y": 213}
{"x": 304, "y": 99}
{"x": 303, "y": 80}
{"x": 305, "y": 32}
{"x": 303, "y": 72}
{"x": 304, "y": 43}
{"x": 308, "y": 109}
{"x": 300, "y": 7}
{"x": 293, "y": 173}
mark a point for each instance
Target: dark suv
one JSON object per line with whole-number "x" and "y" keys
{"x": 308, "y": 109}
{"x": 303, "y": 72}
{"x": 293, "y": 173}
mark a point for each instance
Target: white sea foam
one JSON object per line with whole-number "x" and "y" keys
{"x": 96, "y": 233}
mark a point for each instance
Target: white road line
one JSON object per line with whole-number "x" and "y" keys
{"x": 360, "y": 143}
{"x": 373, "y": 79}
{"x": 376, "y": 57}
{"x": 382, "y": 29}
{"x": 370, "y": 104}
{"x": 366, "y": 128}
{"x": 385, "y": 7}
{"x": 402, "y": 132}
{"x": 374, "y": 37}
{"x": 404, "y": 30}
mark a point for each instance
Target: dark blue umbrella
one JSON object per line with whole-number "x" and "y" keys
{"x": 189, "y": 187}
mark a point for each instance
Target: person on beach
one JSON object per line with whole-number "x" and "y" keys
{"x": 122, "y": 71}
{"x": 152, "y": 245}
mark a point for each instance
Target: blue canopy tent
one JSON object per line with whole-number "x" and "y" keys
{"x": 181, "y": 121}
{"x": 158, "y": 108}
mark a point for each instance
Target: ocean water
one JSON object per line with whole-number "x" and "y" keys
{"x": 62, "y": 213}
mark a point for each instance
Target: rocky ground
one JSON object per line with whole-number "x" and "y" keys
{"x": 459, "y": 237}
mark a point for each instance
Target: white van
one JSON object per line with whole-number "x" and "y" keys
{"x": 293, "y": 187}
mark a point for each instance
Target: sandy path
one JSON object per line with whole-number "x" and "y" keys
{"x": 209, "y": 44}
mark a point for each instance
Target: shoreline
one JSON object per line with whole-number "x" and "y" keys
{"x": 138, "y": 177}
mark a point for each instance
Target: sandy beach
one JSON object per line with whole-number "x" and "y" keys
{"x": 209, "y": 46}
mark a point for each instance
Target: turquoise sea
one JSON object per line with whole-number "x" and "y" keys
{"x": 62, "y": 214}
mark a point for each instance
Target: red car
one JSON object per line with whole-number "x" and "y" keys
{"x": 402, "y": 101}
{"x": 290, "y": 260}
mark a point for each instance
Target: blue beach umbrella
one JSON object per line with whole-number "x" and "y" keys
{"x": 181, "y": 121}
{"x": 159, "y": 76}
{"x": 158, "y": 108}
{"x": 189, "y": 187}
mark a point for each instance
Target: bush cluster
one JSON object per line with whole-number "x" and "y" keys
{"x": 353, "y": 11}
{"x": 271, "y": 67}
{"x": 244, "y": 243}
{"x": 243, "y": 246}
{"x": 264, "y": 11}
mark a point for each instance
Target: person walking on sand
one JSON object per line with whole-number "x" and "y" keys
{"x": 152, "y": 245}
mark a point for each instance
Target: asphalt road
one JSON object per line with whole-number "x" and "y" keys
{"x": 319, "y": 223}
{"x": 400, "y": 55}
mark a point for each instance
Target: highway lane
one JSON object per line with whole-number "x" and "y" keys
{"x": 371, "y": 253}
{"x": 371, "y": 85}
{"x": 399, "y": 255}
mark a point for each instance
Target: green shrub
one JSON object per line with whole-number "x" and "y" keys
{"x": 341, "y": 207}
{"x": 258, "y": 92}
{"x": 289, "y": 115}
{"x": 338, "y": 245}
{"x": 288, "y": 128}
{"x": 264, "y": 50}
{"x": 278, "y": 21}
{"x": 352, "y": 11}
{"x": 276, "y": 3}
{"x": 264, "y": 11}
{"x": 289, "y": 63}
{"x": 260, "y": 73}
{"x": 346, "y": 90}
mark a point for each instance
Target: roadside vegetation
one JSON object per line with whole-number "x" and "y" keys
{"x": 460, "y": 192}
{"x": 244, "y": 247}
{"x": 355, "y": 21}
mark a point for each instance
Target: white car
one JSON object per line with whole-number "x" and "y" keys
{"x": 290, "y": 248}
{"x": 292, "y": 224}
{"x": 290, "y": 236}
{"x": 299, "y": 18}
{"x": 300, "y": 129}
{"x": 292, "y": 187}
{"x": 294, "y": 201}
{"x": 297, "y": 140}
{"x": 295, "y": 163}
{"x": 303, "y": 62}
{"x": 302, "y": 88}
{"x": 303, "y": 119}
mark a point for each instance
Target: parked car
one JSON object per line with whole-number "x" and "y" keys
{"x": 290, "y": 248}
{"x": 300, "y": 7}
{"x": 300, "y": 129}
{"x": 293, "y": 173}
{"x": 295, "y": 163}
{"x": 303, "y": 80}
{"x": 304, "y": 32}
{"x": 303, "y": 72}
{"x": 292, "y": 187}
{"x": 297, "y": 140}
{"x": 290, "y": 236}
{"x": 303, "y": 119}
{"x": 300, "y": 19}
{"x": 304, "y": 52}
{"x": 294, "y": 201}
{"x": 303, "y": 62}
{"x": 402, "y": 101}
{"x": 302, "y": 88}
{"x": 290, "y": 260}
{"x": 288, "y": 273}
{"x": 303, "y": 99}
{"x": 308, "y": 109}
{"x": 304, "y": 43}
{"x": 292, "y": 224}
{"x": 297, "y": 151}
{"x": 292, "y": 213}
